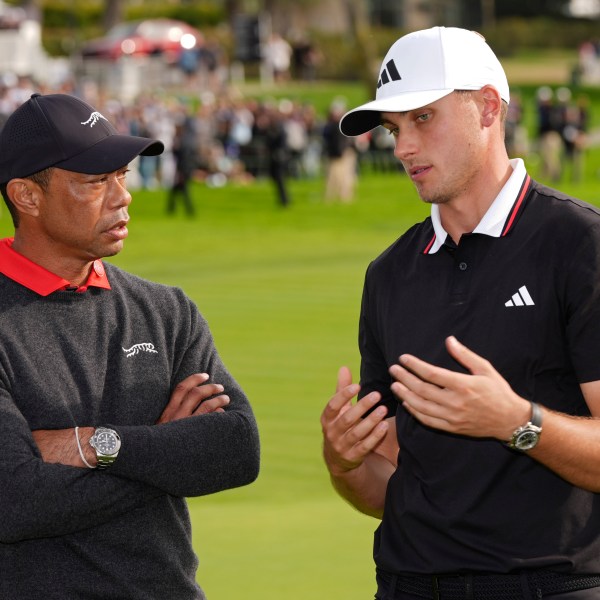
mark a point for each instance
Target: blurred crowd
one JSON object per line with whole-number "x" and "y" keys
{"x": 561, "y": 132}
{"x": 219, "y": 138}
{"x": 222, "y": 138}
{"x": 588, "y": 64}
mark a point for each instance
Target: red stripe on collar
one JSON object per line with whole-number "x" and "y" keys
{"x": 428, "y": 247}
{"x": 515, "y": 209}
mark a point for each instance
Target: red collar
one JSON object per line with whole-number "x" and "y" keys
{"x": 40, "y": 280}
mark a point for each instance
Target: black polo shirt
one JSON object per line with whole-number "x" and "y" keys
{"x": 522, "y": 290}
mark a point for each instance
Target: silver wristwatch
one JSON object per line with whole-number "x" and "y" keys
{"x": 526, "y": 437}
{"x": 107, "y": 443}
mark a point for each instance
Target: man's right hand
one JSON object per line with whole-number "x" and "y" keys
{"x": 194, "y": 396}
{"x": 349, "y": 437}
{"x": 360, "y": 451}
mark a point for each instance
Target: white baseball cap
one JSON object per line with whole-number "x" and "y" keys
{"x": 423, "y": 67}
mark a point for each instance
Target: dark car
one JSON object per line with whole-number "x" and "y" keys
{"x": 150, "y": 37}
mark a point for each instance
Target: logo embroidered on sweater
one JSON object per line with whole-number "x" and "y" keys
{"x": 94, "y": 118}
{"x": 137, "y": 348}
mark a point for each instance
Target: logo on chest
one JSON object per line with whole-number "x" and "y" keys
{"x": 137, "y": 348}
{"x": 521, "y": 298}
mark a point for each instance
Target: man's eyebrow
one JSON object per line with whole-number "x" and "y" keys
{"x": 384, "y": 121}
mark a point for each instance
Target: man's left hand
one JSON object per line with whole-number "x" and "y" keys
{"x": 194, "y": 396}
{"x": 478, "y": 404}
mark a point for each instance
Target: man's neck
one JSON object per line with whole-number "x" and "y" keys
{"x": 462, "y": 214}
{"x": 75, "y": 271}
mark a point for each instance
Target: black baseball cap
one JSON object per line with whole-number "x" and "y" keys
{"x": 58, "y": 130}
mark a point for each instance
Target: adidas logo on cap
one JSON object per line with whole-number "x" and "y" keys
{"x": 388, "y": 73}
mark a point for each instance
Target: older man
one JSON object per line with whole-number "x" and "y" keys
{"x": 114, "y": 403}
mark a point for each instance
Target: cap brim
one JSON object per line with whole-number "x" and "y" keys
{"x": 368, "y": 116}
{"x": 111, "y": 153}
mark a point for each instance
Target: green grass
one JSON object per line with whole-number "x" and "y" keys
{"x": 281, "y": 290}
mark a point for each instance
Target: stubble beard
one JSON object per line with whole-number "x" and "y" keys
{"x": 435, "y": 197}
{"x": 453, "y": 188}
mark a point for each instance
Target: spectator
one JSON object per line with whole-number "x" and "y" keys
{"x": 296, "y": 135}
{"x": 276, "y": 143}
{"x": 277, "y": 57}
{"x": 515, "y": 134}
{"x": 548, "y": 134}
{"x": 186, "y": 162}
{"x": 574, "y": 131}
{"x": 306, "y": 58}
{"x": 340, "y": 157}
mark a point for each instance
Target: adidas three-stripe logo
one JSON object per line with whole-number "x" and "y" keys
{"x": 521, "y": 298}
{"x": 389, "y": 73}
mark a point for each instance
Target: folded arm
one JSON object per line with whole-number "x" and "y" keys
{"x": 41, "y": 499}
{"x": 192, "y": 397}
{"x": 185, "y": 453}
{"x": 204, "y": 441}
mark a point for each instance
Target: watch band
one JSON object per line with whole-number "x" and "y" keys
{"x": 527, "y": 436}
{"x": 536, "y": 415}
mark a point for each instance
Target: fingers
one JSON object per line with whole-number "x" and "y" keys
{"x": 477, "y": 403}
{"x": 190, "y": 382}
{"x": 342, "y": 400}
{"x": 423, "y": 400}
{"x": 413, "y": 370}
{"x": 349, "y": 435}
{"x": 476, "y": 364}
{"x": 344, "y": 379}
{"x": 213, "y": 405}
{"x": 348, "y": 442}
{"x": 442, "y": 378}
{"x": 193, "y": 396}
{"x": 354, "y": 414}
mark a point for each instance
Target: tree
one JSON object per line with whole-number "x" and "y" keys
{"x": 361, "y": 34}
{"x": 531, "y": 8}
{"x": 114, "y": 13}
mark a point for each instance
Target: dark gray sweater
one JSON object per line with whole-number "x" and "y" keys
{"x": 109, "y": 357}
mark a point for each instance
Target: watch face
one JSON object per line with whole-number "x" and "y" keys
{"x": 526, "y": 440}
{"x": 106, "y": 442}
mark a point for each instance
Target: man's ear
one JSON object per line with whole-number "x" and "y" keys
{"x": 25, "y": 195}
{"x": 492, "y": 105}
